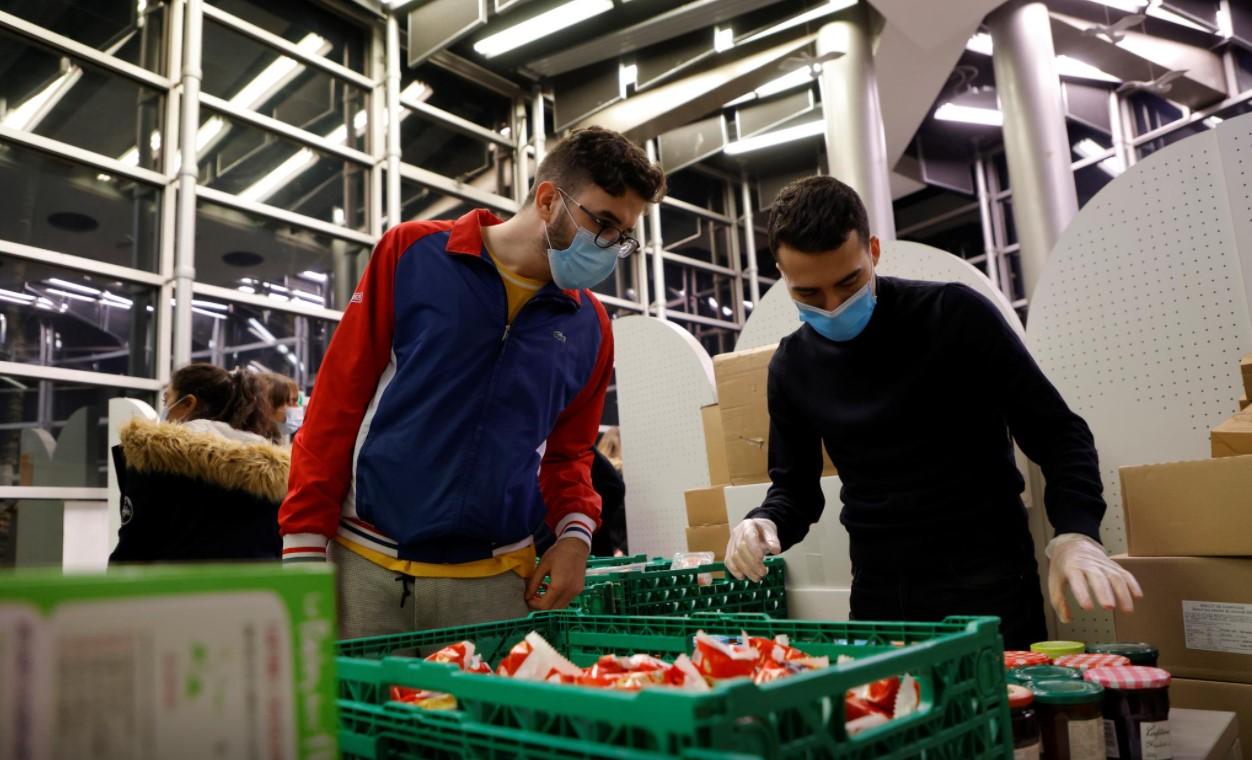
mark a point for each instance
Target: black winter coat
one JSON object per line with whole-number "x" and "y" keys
{"x": 192, "y": 495}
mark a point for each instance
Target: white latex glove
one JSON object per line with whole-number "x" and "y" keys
{"x": 1084, "y": 565}
{"x": 749, "y": 542}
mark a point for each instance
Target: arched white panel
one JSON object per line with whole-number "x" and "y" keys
{"x": 664, "y": 377}
{"x": 1143, "y": 311}
{"x": 775, "y": 316}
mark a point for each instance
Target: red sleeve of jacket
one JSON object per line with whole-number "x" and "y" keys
{"x": 321, "y": 455}
{"x": 565, "y": 473}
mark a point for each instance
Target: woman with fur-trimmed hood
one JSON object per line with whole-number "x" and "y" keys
{"x": 206, "y": 481}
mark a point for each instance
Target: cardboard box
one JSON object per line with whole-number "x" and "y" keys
{"x": 1245, "y": 369}
{"x": 706, "y": 506}
{"x": 709, "y": 538}
{"x": 1189, "y": 509}
{"x": 1243, "y": 401}
{"x": 1233, "y": 437}
{"x": 715, "y": 445}
{"x": 1197, "y": 611}
{"x": 741, "y": 381}
{"x": 236, "y": 660}
{"x": 1214, "y": 695}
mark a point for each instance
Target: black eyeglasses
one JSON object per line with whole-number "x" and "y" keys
{"x": 610, "y": 234}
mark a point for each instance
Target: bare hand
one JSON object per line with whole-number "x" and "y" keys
{"x": 566, "y": 563}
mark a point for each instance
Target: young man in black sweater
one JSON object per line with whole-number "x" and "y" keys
{"x": 918, "y": 390}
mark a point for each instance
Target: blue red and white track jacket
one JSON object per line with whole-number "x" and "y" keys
{"x": 438, "y": 432}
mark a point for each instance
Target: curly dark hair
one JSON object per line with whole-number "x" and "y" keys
{"x": 601, "y": 157}
{"x": 816, "y": 214}
{"x": 236, "y": 398}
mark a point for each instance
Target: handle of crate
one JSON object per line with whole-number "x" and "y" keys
{"x": 722, "y": 616}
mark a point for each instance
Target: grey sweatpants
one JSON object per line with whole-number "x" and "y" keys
{"x": 375, "y": 601}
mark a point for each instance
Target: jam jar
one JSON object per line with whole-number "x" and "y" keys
{"x": 1136, "y": 712}
{"x": 1071, "y": 719}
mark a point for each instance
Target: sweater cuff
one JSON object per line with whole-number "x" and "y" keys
{"x": 304, "y": 547}
{"x": 576, "y": 525}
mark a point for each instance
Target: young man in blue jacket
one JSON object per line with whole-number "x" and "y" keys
{"x": 459, "y": 401}
{"x": 918, "y": 390}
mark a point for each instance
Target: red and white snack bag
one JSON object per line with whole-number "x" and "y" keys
{"x": 908, "y": 697}
{"x": 463, "y": 656}
{"x": 631, "y": 673}
{"x": 866, "y": 722}
{"x": 534, "y": 659}
{"x": 684, "y": 675}
{"x": 717, "y": 660}
{"x": 427, "y": 700}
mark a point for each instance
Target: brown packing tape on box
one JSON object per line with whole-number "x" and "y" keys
{"x": 741, "y": 386}
{"x": 706, "y": 506}
{"x": 1233, "y": 437}
{"x": 1189, "y": 509}
{"x": 709, "y": 538}
{"x": 715, "y": 445}
{"x": 1215, "y": 695}
{"x": 1197, "y": 611}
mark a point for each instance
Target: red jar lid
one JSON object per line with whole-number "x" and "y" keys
{"x": 1014, "y": 660}
{"x": 1132, "y": 678}
{"x": 1090, "y": 661}
{"x": 1019, "y": 697}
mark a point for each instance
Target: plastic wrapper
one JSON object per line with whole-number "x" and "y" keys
{"x": 463, "y": 656}
{"x": 534, "y": 659}
{"x": 717, "y": 659}
{"x": 427, "y": 700}
{"x": 688, "y": 560}
{"x": 611, "y": 569}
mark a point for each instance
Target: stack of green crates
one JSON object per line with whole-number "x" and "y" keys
{"x": 657, "y": 590}
{"x": 958, "y": 664}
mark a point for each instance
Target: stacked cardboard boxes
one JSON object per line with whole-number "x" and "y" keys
{"x": 1189, "y": 536}
{"x": 707, "y": 527}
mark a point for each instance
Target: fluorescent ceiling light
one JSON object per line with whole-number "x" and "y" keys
{"x": 834, "y": 6}
{"x": 28, "y": 114}
{"x": 67, "y": 294}
{"x": 770, "y": 139}
{"x": 980, "y": 43}
{"x": 790, "y": 80}
{"x": 726, "y": 312}
{"x": 1156, "y": 11}
{"x": 712, "y": 303}
{"x": 1088, "y": 148}
{"x": 1212, "y": 122}
{"x": 723, "y": 39}
{"x": 626, "y": 76}
{"x": 206, "y": 313}
{"x": 1130, "y": 6}
{"x": 10, "y": 299}
{"x": 258, "y": 329}
{"x": 266, "y": 186}
{"x": 970, "y": 115}
{"x": 1066, "y": 66}
{"x": 1225, "y": 25}
{"x": 13, "y": 295}
{"x": 314, "y": 276}
{"x": 210, "y": 305}
{"x": 560, "y": 17}
{"x": 72, "y": 286}
{"x": 246, "y": 289}
{"x": 110, "y": 299}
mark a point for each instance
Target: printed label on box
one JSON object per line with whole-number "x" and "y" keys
{"x": 1218, "y": 627}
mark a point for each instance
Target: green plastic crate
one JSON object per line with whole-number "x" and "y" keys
{"x": 958, "y": 663}
{"x": 661, "y": 591}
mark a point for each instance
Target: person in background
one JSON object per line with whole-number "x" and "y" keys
{"x": 458, "y": 403}
{"x": 204, "y": 482}
{"x": 284, "y": 398}
{"x": 918, "y": 391}
{"x": 606, "y": 476}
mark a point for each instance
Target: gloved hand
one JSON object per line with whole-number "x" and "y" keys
{"x": 1086, "y": 567}
{"x": 749, "y": 542}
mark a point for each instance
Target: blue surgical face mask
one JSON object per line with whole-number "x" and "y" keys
{"x": 164, "y": 416}
{"x": 295, "y": 418}
{"x": 845, "y": 322}
{"x": 582, "y": 264}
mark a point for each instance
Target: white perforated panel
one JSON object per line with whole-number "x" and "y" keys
{"x": 775, "y": 316}
{"x": 664, "y": 377}
{"x": 1142, "y": 313}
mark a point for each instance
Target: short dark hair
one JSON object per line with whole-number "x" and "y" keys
{"x": 816, "y": 214}
{"x": 236, "y": 398}
{"x": 602, "y": 157}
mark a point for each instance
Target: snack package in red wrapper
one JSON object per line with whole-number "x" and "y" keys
{"x": 855, "y": 707}
{"x": 865, "y": 723}
{"x": 908, "y": 697}
{"x": 463, "y": 656}
{"x": 534, "y": 659}
{"x": 717, "y": 659}
{"x": 427, "y": 700}
{"x": 684, "y": 675}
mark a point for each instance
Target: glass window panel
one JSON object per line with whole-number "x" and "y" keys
{"x": 117, "y": 27}
{"x": 1092, "y": 179}
{"x": 1152, "y": 112}
{"x": 960, "y": 235}
{"x": 260, "y": 339}
{"x": 1010, "y": 223}
{"x": 1085, "y": 142}
{"x": 263, "y": 167}
{"x": 699, "y": 189}
{"x": 258, "y": 78}
{"x": 67, "y": 100}
{"x": 443, "y": 89}
{"x": 294, "y": 20}
{"x": 61, "y": 318}
{"x": 73, "y": 418}
{"x": 421, "y": 202}
{"x": 60, "y": 205}
{"x": 254, "y": 254}
{"x": 1016, "y": 281}
{"x": 432, "y": 146}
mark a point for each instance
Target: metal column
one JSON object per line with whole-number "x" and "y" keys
{"x": 749, "y": 238}
{"x": 856, "y": 146}
{"x": 393, "y": 121}
{"x": 1036, "y": 141}
{"x": 658, "y": 254}
{"x": 639, "y": 267}
{"x": 984, "y": 215}
{"x": 537, "y": 129}
{"x": 736, "y": 256}
{"x": 521, "y": 167}
{"x": 189, "y": 123}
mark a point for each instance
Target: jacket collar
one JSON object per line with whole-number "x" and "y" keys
{"x": 466, "y": 237}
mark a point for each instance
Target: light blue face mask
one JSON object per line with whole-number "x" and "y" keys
{"x": 582, "y": 264}
{"x": 845, "y": 322}
{"x": 295, "y": 419}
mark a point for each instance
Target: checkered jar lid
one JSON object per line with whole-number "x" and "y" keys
{"x": 1131, "y": 678}
{"x": 1089, "y": 661}
{"x": 1013, "y": 660}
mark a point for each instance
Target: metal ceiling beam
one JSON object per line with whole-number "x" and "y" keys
{"x": 1143, "y": 57}
{"x": 700, "y": 14}
{"x": 669, "y": 106}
